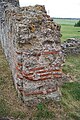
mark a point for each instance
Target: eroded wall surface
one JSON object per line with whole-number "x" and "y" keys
{"x": 71, "y": 46}
{"x": 31, "y": 42}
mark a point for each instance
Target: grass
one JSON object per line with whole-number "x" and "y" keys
{"x": 72, "y": 67}
{"x": 66, "y": 109}
{"x": 67, "y": 28}
{"x": 71, "y": 100}
{"x": 4, "y": 109}
{"x": 65, "y": 21}
{"x": 71, "y": 91}
{"x": 69, "y": 31}
{"x": 43, "y": 113}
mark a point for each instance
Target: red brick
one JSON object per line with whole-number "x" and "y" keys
{"x": 47, "y": 74}
{"x": 17, "y": 68}
{"x": 41, "y": 92}
{"x": 20, "y": 64}
{"x": 18, "y": 52}
{"x": 18, "y": 76}
{"x": 57, "y": 76}
{"x": 39, "y": 68}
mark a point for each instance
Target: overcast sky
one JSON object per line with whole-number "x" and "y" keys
{"x": 57, "y": 8}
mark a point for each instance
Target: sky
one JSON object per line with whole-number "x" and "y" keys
{"x": 57, "y": 8}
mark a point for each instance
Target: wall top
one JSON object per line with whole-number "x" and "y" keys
{"x": 5, "y": 4}
{"x": 14, "y": 2}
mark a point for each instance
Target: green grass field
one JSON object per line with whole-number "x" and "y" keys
{"x": 67, "y": 28}
{"x": 66, "y": 109}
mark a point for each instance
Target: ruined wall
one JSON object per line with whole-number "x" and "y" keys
{"x": 71, "y": 46}
{"x": 3, "y": 5}
{"x": 31, "y": 41}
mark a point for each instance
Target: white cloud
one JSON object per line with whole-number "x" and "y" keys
{"x": 57, "y": 8}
